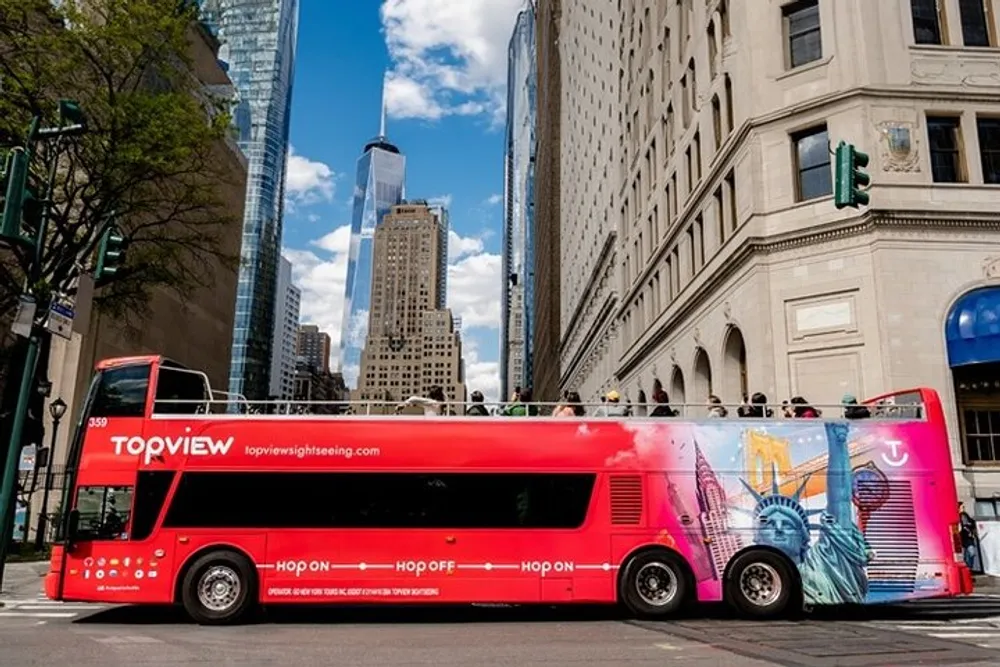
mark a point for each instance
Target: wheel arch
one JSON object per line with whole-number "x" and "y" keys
{"x": 691, "y": 584}
{"x": 193, "y": 557}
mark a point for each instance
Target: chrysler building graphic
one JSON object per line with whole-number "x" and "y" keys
{"x": 713, "y": 514}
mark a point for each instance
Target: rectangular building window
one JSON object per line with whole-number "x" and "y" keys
{"x": 717, "y": 121}
{"x": 802, "y": 31}
{"x": 697, "y": 157}
{"x": 944, "y": 137}
{"x": 976, "y": 19}
{"x": 812, "y": 156}
{"x": 730, "y": 116}
{"x": 734, "y": 221}
{"x": 989, "y": 148}
{"x": 713, "y": 50}
{"x": 928, "y": 21}
{"x": 720, "y": 215}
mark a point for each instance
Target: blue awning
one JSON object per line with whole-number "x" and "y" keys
{"x": 972, "y": 329}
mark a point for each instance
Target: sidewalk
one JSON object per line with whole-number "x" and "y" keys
{"x": 22, "y": 579}
{"x": 985, "y": 583}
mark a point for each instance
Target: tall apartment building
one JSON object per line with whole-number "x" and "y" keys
{"x": 379, "y": 185}
{"x": 258, "y": 49}
{"x": 286, "y": 333}
{"x": 735, "y": 271}
{"x": 584, "y": 183}
{"x": 546, "y": 302}
{"x": 517, "y": 291}
{"x": 411, "y": 344}
{"x": 313, "y": 348}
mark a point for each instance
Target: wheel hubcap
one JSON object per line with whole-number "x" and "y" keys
{"x": 219, "y": 588}
{"x": 760, "y": 584}
{"x": 656, "y": 584}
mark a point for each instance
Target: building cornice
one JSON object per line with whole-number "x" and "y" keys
{"x": 757, "y": 246}
{"x": 608, "y": 312}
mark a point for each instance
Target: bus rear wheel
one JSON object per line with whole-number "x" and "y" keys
{"x": 761, "y": 584}
{"x": 654, "y": 584}
{"x": 220, "y": 588}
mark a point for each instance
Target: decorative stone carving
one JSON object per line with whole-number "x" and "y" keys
{"x": 673, "y": 355}
{"x": 991, "y": 267}
{"x": 898, "y": 144}
{"x": 697, "y": 336}
{"x": 937, "y": 70}
{"x": 727, "y": 311}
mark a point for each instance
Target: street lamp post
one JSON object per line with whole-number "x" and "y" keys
{"x": 56, "y": 410}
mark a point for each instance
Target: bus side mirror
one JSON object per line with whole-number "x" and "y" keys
{"x": 73, "y": 529}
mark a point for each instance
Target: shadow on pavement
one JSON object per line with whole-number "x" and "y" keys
{"x": 954, "y": 609}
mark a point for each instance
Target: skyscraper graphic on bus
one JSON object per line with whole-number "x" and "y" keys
{"x": 380, "y": 185}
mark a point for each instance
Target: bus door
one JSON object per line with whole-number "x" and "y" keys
{"x": 97, "y": 550}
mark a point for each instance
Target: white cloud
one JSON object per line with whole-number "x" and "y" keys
{"x": 473, "y": 286}
{"x": 462, "y": 246}
{"x": 480, "y": 375}
{"x": 321, "y": 276}
{"x": 308, "y": 181}
{"x": 449, "y": 56}
{"x": 493, "y": 200}
{"x": 474, "y": 290}
{"x": 441, "y": 200}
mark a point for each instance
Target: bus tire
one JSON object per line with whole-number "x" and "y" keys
{"x": 761, "y": 584}
{"x": 654, "y": 584}
{"x": 219, "y": 588}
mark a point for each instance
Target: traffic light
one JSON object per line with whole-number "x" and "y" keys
{"x": 15, "y": 182}
{"x": 850, "y": 177}
{"x": 110, "y": 254}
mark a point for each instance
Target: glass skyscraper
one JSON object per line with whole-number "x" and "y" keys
{"x": 379, "y": 186}
{"x": 258, "y": 40}
{"x": 518, "y": 288}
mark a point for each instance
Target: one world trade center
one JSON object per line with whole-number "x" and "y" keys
{"x": 379, "y": 186}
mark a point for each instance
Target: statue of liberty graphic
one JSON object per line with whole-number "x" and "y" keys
{"x": 833, "y": 569}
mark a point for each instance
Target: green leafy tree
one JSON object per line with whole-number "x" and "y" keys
{"x": 152, "y": 159}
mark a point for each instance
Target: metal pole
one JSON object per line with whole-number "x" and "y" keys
{"x": 9, "y": 484}
{"x": 43, "y": 518}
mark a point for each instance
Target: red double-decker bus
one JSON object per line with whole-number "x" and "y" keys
{"x": 175, "y": 501}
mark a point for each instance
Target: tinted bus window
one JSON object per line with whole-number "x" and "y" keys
{"x": 380, "y": 500}
{"x": 175, "y": 387}
{"x": 121, "y": 392}
{"x": 104, "y": 512}
{"x": 150, "y": 491}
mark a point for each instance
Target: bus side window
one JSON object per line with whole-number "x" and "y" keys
{"x": 121, "y": 392}
{"x": 175, "y": 387}
{"x": 104, "y": 512}
{"x": 152, "y": 488}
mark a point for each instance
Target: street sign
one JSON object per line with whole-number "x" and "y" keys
{"x": 25, "y": 316}
{"x": 60, "y": 320}
{"x": 28, "y": 457}
{"x": 20, "y": 532}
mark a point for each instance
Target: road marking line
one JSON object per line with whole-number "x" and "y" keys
{"x": 962, "y": 635}
{"x": 668, "y": 647}
{"x": 36, "y": 614}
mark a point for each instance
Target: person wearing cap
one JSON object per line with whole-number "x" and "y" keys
{"x": 612, "y": 406}
{"x": 852, "y": 410}
{"x": 477, "y": 409}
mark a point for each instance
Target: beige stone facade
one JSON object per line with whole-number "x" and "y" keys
{"x": 733, "y": 270}
{"x": 412, "y": 345}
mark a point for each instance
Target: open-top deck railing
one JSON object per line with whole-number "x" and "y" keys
{"x": 232, "y": 407}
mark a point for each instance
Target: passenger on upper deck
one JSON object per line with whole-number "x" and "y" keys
{"x": 852, "y": 410}
{"x": 571, "y": 406}
{"x": 521, "y": 406}
{"x": 477, "y": 409}
{"x": 435, "y": 404}
{"x": 612, "y": 406}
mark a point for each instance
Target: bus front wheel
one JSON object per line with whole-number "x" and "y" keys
{"x": 654, "y": 584}
{"x": 220, "y": 588}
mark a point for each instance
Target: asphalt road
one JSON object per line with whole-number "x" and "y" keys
{"x": 34, "y": 631}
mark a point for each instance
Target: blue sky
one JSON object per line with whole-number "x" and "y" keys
{"x": 441, "y": 67}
